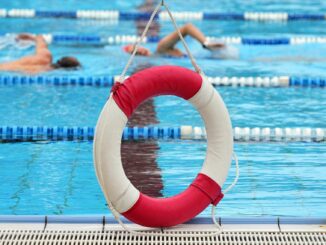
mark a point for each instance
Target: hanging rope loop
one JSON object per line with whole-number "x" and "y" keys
{"x": 140, "y": 40}
{"x": 192, "y": 59}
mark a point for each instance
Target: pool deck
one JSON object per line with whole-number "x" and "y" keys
{"x": 73, "y": 222}
{"x": 105, "y": 230}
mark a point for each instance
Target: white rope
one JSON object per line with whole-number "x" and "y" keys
{"x": 123, "y": 74}
{"x": 192, "y": 59}
{"x": 237, "y": 174}
{"x": 136, "y": 46}
{"x": 219, "y": 230}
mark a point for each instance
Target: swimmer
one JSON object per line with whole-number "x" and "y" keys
{"x": 166, "y": 45}
{"x": 41, "y": 61}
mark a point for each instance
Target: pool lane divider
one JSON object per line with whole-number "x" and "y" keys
{"x": 125, "y": 39}
{"x": 163, "y": 16}
{"x": 108, "y": 81}
{"x": 266, "y": 134}
{"x": 75, "y": 39}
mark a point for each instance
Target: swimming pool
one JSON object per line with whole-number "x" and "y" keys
{"x": 277, "y": 179}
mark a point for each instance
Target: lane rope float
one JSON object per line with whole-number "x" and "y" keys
{"x": 114, "y": 15}
{"x": 109, "y": 80}
{"x": 124, "y": 39}
{"x": 185, "y": 132}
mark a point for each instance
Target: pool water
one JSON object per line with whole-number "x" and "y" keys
{"x": 59, "y": 178}
{"x": 276, "y": 179}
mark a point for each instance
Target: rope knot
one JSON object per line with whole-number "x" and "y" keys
{"x": 115, "y": 87}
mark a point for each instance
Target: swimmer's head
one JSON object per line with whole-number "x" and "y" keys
{"x": 140, "y": 51}
{"x": 67, "y": 62}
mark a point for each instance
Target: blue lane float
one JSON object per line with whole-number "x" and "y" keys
{"x": 179, "y": 15}
{"x": 108, "y": 81}
{"x": 76, "y": 39}
{"x": 265, "y": 41}
{"x": 307, "y": 82}
{"x": 306, "y": 16}
{"x": 124, "y": 39}
{"x": 55, "y": 14}
{"x": 101, "y": 81}
{"x": 43, "y": 133}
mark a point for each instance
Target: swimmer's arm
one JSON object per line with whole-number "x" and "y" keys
{"x": 41, "y": 47}
{"x": 42, "y": 54}
{"x": 42, "y": 50}
{"x": 39, "y": 41}
{"x": 5, "y": 66}
{"x": 167, "y": 43}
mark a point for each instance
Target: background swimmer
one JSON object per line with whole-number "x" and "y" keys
{"x": 166, "y": 46}
{"x": 40, "y": 61}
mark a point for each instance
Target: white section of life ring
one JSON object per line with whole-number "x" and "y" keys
{"x": 219, "y": 132}
{"x": 107, "y": 158}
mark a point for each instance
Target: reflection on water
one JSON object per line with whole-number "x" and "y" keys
{"x": 139, "y": 162}
{"x": 144, "y": 115}
{"x": 154, "y": 29}
{"x": 140, "y": 158}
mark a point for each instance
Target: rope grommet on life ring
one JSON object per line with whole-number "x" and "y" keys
{"x": 205, "y": 189}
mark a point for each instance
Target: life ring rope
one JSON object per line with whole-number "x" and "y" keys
{"x": 140, "y": 40}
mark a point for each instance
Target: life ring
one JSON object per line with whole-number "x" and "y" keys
{"x": 205, "y": 189}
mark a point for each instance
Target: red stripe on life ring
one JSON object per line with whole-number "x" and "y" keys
{"x": 166, "y": 212}
{"x": 158, "y": 80}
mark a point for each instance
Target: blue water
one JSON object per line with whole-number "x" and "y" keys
{"x": 59, "y": 178}
{"x": 276, "y": 179}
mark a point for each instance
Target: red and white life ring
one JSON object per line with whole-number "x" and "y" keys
{"x": 205, "y": 189}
